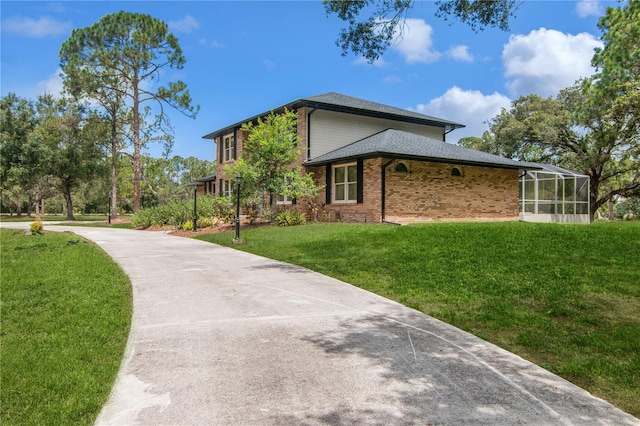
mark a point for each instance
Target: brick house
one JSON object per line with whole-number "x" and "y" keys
{"x": 384, "y": 164}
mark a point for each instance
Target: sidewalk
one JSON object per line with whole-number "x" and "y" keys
{"x": 222, "y": 337}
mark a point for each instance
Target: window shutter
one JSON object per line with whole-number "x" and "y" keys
{"x": 221, "y": 150}
{"x": 328, "y": 182}
{"x": 221, "y": 188}
{"x": 294, "y": 201}
{"x": 360, "y": 181}
{"x": 235, "y": 144}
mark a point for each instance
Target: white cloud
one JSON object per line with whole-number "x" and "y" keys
{"x": 546, "y": 61}
{"x": 414, "y": 42}
{"x": 186, "y": 25}
{"x": 45, "y": 26}
{"x": 52, "y": 85}
{"x": 586, "y": 8}
{"x": 460, "y": 53}
{"x": 469, "y": 107}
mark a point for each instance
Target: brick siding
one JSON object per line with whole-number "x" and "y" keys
{"x": 428, "y": 192}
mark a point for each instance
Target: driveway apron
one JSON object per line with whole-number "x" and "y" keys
{"x": 222, "y": 337}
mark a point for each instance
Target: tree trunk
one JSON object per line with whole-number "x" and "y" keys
{"x": 113, "y": 207}
{"x": 610, "y": 209}
{"x": 67, "y": 199}
{"x": 594, "y": 187}
{"x": 137, "y": 172}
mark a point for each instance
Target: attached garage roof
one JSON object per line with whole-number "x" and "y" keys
{"x": 400, "y": 144}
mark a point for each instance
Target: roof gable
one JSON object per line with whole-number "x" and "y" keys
{"x": 396, "y": 143}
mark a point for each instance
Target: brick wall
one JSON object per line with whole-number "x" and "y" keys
{"x": 370, "y": 210}
{"x": 428, "y": 192}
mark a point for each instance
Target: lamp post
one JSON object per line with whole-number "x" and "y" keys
{"x": 195, "y": 207}
{"x": 236, "y": 239}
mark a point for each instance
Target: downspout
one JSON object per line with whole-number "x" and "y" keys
{"x": 309, "y": 131}
{"x": 383, "y": 189}
{"x": 444, "y": 135}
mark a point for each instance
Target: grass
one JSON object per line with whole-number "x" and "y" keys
{"x": 66, "y": 310}
{"x": 99, "y": 221}
{"x": 48, "y": 218}
{"x": 566, "y": 297}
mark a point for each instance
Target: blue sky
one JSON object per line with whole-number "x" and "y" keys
{"x": 244, "y": 58}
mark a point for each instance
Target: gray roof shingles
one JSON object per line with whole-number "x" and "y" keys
{"x": 396, "y": 143}
{"x": 339, "y": 102}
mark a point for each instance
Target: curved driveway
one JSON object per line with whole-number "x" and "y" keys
{"x": 222, "y": 337}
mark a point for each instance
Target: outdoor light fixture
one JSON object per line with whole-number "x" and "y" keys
{"x": 237, "y": 239}
{"x": 195, "y": 207}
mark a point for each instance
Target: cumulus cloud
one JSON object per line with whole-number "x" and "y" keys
{"x": 586, "y": 8}
{"x": 469, "y": 107}
{"x": 460, "y": 53}
{"x": 185, "y": 25}
{"x": 45, "y": 26}
{"x": 546, "y": 61}
{"x": 414, "y": 42}
{"x": 52, "y": 85}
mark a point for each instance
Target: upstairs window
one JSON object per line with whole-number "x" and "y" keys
{"x": 229, "y": 148}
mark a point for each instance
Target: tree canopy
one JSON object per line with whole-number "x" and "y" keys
{"x": 270, "y": 149}
{"x": 119, "y": 61}
{"x": 592, "y": 127}
{"x": 371, "y": 36}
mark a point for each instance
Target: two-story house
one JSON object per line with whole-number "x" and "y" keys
{"x": 381, "y": 163}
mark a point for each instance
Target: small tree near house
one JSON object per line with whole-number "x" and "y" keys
{"x": 268, "y": 164}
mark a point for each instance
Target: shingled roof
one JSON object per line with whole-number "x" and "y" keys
{"x": 333, "y": 101}
{"x": 399, "y": 144}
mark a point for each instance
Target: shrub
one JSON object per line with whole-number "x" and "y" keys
{"x": 205, "y": 222}
{"x": 178, "y": 213}
{"x": 290, "y": 218}
{"x": 187, "y": 226}
{"x": 36, "y": 226}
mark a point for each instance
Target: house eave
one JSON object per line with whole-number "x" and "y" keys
{"x": 391, "y": 155}
{"x": 448, "y": 126}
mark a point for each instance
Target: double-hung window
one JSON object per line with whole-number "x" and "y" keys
{"x": 229, "y": 143}
{"x": 226, "y": 188}
{"x": 345, "y": 183}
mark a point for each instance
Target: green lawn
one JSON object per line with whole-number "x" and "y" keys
{"x": 566, "y": 297}
{"x": 48, "y": 218}
{"x": 66, "y": 310}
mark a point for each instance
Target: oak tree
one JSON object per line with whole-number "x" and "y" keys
{"x": 372, "y": 25}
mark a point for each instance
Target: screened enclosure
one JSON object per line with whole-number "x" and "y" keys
{"x": 554, "y": 194}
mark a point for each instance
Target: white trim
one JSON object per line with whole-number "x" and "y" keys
{"x": 346, "y": 184}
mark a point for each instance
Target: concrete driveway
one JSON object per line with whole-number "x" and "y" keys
{"x": 221, "y": 337}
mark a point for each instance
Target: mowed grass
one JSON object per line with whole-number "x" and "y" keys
{"x": 66, "y": 310}
{"x": 566, "y": 297}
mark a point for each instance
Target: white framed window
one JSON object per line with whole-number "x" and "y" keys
{"x": 283, "y": 199}
{"x": 229, "y": 143}
{"x": 226, "y": 188}
{"x": 345, "y": 183}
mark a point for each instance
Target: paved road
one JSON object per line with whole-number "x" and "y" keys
{"x": 221, "y": 337}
